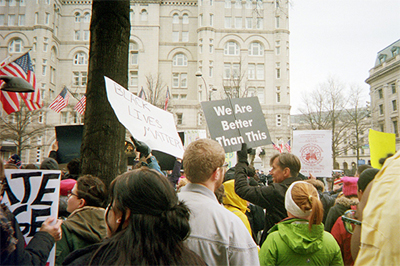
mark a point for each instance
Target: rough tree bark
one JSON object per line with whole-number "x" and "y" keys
{"x": 102, "y": 147}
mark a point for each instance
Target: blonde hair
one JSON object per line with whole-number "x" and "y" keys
{"x": 201, "y": 159}
{"x": 306, "y": 197}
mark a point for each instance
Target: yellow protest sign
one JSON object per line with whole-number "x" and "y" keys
{"x": 380, "y": 145}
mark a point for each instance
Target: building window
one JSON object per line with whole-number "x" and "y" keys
{"x": 64, "y": 117}
{"x": 1, "y": 19}
{"x": 260, "y": 95}
{"x": 228, "y": 3}
{"x": 249, "y": 23}
{"x": 44, "y": 67}
{"x": 256, "y": 49}
{"x": 86, "y": 35}
{"x": 278, "y": 97}
{"x": 278, "y": 47}
{"x": 175, "y": 80}
{"x": 21, "y": 20}
{"x": 80, "y": 59}
{"x": 251, "y": 71}
{"x": 259, "y": 23}
{"x": 228, "y": 22}
{"x": 143, "y": 15}
{"x": 77, "y": 17}
{"x": 211, "y": 2}
{"x": 256, "y": 71}
{"x": 211, "y": 20}
{"x": 260, "y": 71}
{"x": 278, "y": 70}
{"x": 15, "y": 46}
{"x": 52, "y": 75}
{"x": 86, "y": 17}
{"x": 395, "y": 128}
{"x": 179, "y": 119}
{"x": 201, "y": 20}
{"x": 11, "y": 20}
{"x": 40, "y": 117}
{"x": 231, "y": 48}
{"x": 393, "y": 86}
{"x": 394, "y": 105}
{"x": 278, "y": 120}
{"x": 12, "y": 3}
{"x": 36, "y": 18}
{"x": 381, "y": 109}
{"x": 249, "y": 4}
{"x": 238, "y": 4}
{"x": 79, "y": 78}
{"x": 179, "y": 80}
{"x": 175, "y": 36}
{"x": 180, "y": 60}
{"x": 185, "y": 36}
{"x": 47, "y": 19}
{"x": 77, "y": 35}
{"x": 382, "y": 58}
{"x": 380, "y": 93}
{"x": 238, "y": 23}
{"x": 185, "y": 19}
{"x": 277, "y": 22}
{"x": 175, "y": 19}
{"x": 134, "y": 55}
{"x": 133, "y": 78}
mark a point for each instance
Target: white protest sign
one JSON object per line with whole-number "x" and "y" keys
{"x": 144, "y": 121}
{"x": 314, "y": 149}
{"x": 32, "y": 196}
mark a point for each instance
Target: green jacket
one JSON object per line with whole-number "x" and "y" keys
{"x": 290, "y": 242}
{"x": 83, "y": 227}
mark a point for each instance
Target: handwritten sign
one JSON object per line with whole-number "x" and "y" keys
{"x": 32, "y": 196}
{"x": 314, "y": 149}
{"x": 144, "y": 121}
{"x": 235, "y": 121}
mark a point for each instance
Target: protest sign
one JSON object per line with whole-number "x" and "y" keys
{"x": 144, "y": 121}
{"x": 235, "y": 121}
{"x": 32, "y": 196}
{"x": 314, "y": 149}
{"x": 69, "y": 142}
{"x": 381, "y": 144}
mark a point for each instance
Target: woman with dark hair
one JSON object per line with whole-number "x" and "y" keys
{"x": 85, "y": 225}
{"x": 146, "y": 225}
{"x": 300, "y": 239}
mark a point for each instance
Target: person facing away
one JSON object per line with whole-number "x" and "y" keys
{"x": 285, "y": 170}
{"x": 85, "y": 225}
{"x": 217, "y": 235}
{"x": 300, "y": 239}
{"x": 146, "y": 225}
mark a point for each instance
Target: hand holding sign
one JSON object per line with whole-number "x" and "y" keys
{"x": 141, "y": 147}
{"x": 54, "y": 229}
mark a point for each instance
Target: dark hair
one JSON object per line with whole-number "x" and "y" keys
{"x": 74, "y": 167}
{"x": 361, "y": 168}
{"x": 366, "y": 177}
{"x": 383, "y": 159}
{"x": 92, "y": 190}
{"x": 157, "y": 225}
{"x": 288, "y": 160}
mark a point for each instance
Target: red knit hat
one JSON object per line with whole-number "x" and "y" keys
{"x": 66, "y": 186}
{"x": 349, "y": 185}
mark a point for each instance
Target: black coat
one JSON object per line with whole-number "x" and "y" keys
{"x": 271, "y": 198}
{"x": 35, "y": 253}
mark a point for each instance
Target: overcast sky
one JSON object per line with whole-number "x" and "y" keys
{"x": 338, "y": 38}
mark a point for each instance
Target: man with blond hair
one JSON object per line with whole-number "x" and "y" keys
{"x": 217, "y": 235}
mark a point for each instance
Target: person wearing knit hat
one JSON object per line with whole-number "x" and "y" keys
{"x": 15, "y": 159}
{"x": 49, "y": 164}
{"x": 365, "y": 178}
{"x": 343, "y": 202}
{"x": 300, "y": 239}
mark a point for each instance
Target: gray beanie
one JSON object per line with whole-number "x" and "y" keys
{"x": 49, "y": 164}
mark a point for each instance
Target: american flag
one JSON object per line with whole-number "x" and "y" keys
{"x": 20, "y": 67}
{"x": 287, "y": 146}
{"x": 60, "y": 101}
{"x": 166, "y": 99}
{"x": 81, "y": 105}
{"x": 142, "y": 94}
{"x": 277, "y": 147}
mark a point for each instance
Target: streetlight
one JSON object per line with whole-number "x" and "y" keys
{"x": 15, "y": 84}
{"x": 200, "y": 75}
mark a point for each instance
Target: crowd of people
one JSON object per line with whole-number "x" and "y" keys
{"x": 202, "y": 213}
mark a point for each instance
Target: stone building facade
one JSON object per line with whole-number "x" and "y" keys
{"x": 200, "y": 50}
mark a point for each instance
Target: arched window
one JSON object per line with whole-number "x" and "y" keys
{"x": 53, "y": 54}
{"x": 80, "y": 58}
{"x": 77, "y": 17}
{"x": 175, "y": 18}
{"x": 86, "y": 17}
{"x": 185, "y": 19}
{"x": 143, "y": 15}
{"x": 256, "y": 48}
{"x": 231, "y": 48}
{"x": 180, "y": 60}
{"x": 15, "y": 46}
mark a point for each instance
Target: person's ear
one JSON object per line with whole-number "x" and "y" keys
{"x": 127, "y": 216}
{"x": 82, "y": 203}
{"x": 286, "y": 172}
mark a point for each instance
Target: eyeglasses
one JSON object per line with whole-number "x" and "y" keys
{"x": 349, "y": 221}
{"x": 225, "y": 164}
{"x": 70, "y": 193}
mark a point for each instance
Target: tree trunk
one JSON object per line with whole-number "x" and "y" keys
{"x": 102, "y": 147}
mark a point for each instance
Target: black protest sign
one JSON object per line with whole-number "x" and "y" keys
{"x": 232, "y": 122}
{"x": 69, "y": 142}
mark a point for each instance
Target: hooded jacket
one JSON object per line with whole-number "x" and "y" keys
{"x": 84, "y": 227}
{"x": 236, "y": 204}
{"x": 290, "y": 242}
{"x": 342, "y": 204}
